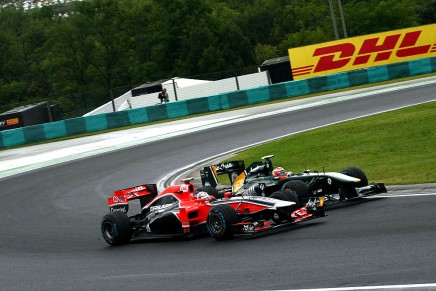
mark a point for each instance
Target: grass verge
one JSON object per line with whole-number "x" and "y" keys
{"x": 397, "y": 147}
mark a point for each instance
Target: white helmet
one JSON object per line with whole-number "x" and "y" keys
{"x": 202, "y": 195}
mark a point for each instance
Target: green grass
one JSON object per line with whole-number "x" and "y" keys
{"x": 397, "y": 147}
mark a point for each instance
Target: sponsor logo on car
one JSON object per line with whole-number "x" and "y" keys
{"x": 248, "y": 228}
{"x": 224, "y": 166}
{"x": 118, "y": 209}
{"x": 119, "y": 199}
{"x": 139, "y": 188}
{"x": 162, "y": 207}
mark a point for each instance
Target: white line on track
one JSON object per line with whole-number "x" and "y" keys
{"x": 176, "y": 175}
{"x": 431, "y": 286}
{"x": 396, "y": 195}
{"x": 118, "y": 140}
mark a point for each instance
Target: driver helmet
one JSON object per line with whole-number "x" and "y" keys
{"x": 202, "y": 195}
{"x": 279, "y": 172}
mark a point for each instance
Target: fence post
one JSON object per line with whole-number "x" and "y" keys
{"x": 175, "y": 91}
{"x": 237, "y": 81}
{"x": 111, "y": 95}
{"x": 268, "y": 77}
{"x": 50, "y": 116}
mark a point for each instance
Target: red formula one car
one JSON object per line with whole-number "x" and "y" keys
{"x": 181, "y": 210}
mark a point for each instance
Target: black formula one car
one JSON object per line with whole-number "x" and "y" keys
{"x": 181, "y": 210}
{"x": 261, "y": 179}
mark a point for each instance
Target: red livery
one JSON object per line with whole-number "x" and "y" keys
{"x": 181, "y": 210}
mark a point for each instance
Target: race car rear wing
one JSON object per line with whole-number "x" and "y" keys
{"x": 263, "y": 168}
{"x": 120, "y": 200}
{"x": 209, "y": 175}
{"x": 236, "y": 171}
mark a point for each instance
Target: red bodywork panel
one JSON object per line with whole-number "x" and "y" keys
{"x": 192, "y": 211}
{"x": 122, "y": 197}
{"x": 301, "y": 214}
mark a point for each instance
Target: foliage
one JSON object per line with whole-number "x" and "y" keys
{"x": 103, "y": 46}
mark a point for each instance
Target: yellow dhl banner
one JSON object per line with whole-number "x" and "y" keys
{"x": 363, "y": 51}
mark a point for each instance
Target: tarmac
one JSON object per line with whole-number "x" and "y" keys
{"x": 26, "y": 158}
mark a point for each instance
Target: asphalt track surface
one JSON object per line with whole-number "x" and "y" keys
{"x": 50, "y": 217}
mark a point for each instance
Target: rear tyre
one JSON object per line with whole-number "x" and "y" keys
{"x": 116, "y": 228}
{"x": 356, "y": 173}
{"x": 298, "y": 188}
{"x": 211, "y": 191}
{"x": 220, "y": 220}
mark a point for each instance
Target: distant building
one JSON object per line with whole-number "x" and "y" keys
{"x": 27, "y": 115}
{"x": 279, "y": 69}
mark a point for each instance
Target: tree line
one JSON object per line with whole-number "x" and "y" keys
{"x": 82, "y": 54}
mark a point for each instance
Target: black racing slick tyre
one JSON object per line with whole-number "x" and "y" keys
{"x": 116, "y": 228}
{"x": 287, "y": 196}
{"x": 220, "y": 220}
{"x": 285, "y": 214}
{"x": 356, "y": 173}
{"x": 211, "y": 191}
{"x": 299, "y": 188}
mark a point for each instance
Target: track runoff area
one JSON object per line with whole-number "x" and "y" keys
{"x": 20, "y": 160}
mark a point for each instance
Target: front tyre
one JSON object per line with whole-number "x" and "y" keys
{"x": 285, "y": 214}
{"x": 220, "y": 220}
{"x": 286, "y": 196}
{"x": 356, "y": 173}
{"x": 116, "y": 228}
